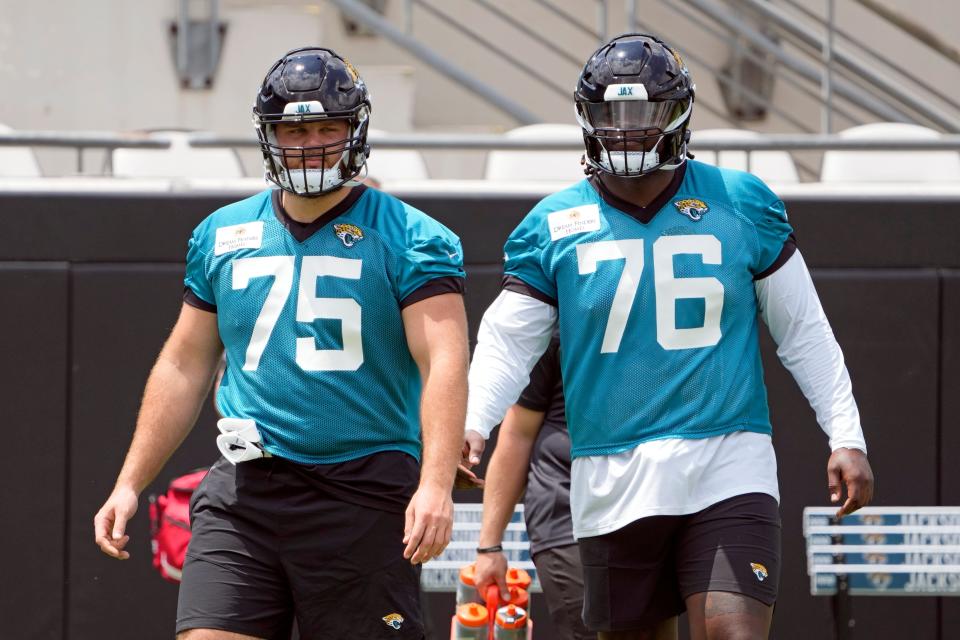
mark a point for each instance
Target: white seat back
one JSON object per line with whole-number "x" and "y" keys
{"x": 890, "y": 165}
{"x": 769, "y": 166}
{"x": 179, "y": 161}
{"x": 512, "y": 165}
{"x": 385, "y": 165}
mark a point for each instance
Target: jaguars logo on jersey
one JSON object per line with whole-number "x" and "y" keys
{"x": 349, "y": 234}
{"x": 393, "y": 620}
{"x": 692, "y": 208}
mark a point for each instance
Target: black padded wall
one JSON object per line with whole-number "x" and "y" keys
{"x": 91, "y": 283}
{"x": 34, "y": 343}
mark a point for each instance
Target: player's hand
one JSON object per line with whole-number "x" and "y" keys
{"x": 110, "y": 523}
{"x": 429, "y": 523}
{"x": 473, "y": 445}
{"x": 466, "y": 479}
{"x": 849, "y": 468}
{"x": 491, "y": 568}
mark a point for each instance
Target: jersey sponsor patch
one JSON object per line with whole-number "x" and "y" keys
{"x": 238, "y": 236}
{"x": 568, "y": 222}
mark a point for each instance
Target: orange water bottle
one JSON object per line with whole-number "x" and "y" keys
{"x": 470, "y": 623}
{"x": 510, "y": 623}
{"x": 518, "y": 578}
{"x": 467, "y": 585}
{"x": 518, "y": 596}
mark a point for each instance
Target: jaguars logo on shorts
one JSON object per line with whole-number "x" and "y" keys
{"x": 692, "y": 208}
{"x": 759, "y": 570}
{"x": 393, "y": 620}
{"x": 349, "y": 234}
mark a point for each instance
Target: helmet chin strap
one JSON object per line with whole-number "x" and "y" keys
{"x": 358, "y": 179}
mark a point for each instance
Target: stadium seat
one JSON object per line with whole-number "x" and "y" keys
{"x": 769, "y": 166}
{"x": 890, "y": 165}
{"x": 385, "y": 165}
{"x": 17, "y": 162}
{"x": 179, "y": 161}
{"x": 516, "y": 166}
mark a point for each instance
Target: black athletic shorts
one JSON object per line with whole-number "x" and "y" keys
{"x": 268, "y": 545}
{"x": 641, "y": 574}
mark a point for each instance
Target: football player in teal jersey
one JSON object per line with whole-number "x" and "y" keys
{"x": 655, "y": 268}
{"x": 340, "y": 312}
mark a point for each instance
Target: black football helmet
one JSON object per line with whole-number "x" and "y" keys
{"x": 633, "y": 100}
{"x": 306, "y": 85}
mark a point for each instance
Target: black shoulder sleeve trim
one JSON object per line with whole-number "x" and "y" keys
{"x": 194, "y": 300}
{"x": 435, "y": 287}
{"x": 789, "y": 248}
{"x": 532, "y": 405}
{"x": 515, "y": 284}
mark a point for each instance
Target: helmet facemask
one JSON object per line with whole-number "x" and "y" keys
{"x": 632, "y": 137}
{"x": 306, "y": 86}
{"x": 351, "y": 151}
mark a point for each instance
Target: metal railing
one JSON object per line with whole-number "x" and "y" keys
{"x": 81, "y": 141}
{"x": 499, "y": 52}
{"x": 484, "y": 141}
{"x": 370, "y": 18}
{"x": 832, "y": 76}
{"x": 875, "y": 55}
{"x": 725, "y": 78}
{"x": 804, "y": 69}
{"x": 851, "y": 65}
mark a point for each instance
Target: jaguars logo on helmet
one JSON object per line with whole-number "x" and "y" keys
{"x": 692, "y": 208}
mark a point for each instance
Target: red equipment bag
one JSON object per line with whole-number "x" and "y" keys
{"x": 170, "y": 524}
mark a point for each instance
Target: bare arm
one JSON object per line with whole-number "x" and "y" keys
{"x": 506, "y": 478}
{"x": 436, "y": 331}
{"x": 175, "y": 390}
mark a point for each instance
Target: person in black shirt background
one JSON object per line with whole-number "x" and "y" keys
{"x": 533, "y": 448}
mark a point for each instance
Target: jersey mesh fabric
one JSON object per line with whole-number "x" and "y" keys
{"x": 649, "y": 388}
{"x": 324, "y": 416}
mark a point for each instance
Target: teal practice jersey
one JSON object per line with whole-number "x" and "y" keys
{"x": 658, "y": 321}
{"x": 315, "y": 346}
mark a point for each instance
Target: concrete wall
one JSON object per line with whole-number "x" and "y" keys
{"x": 108, "y": 65}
